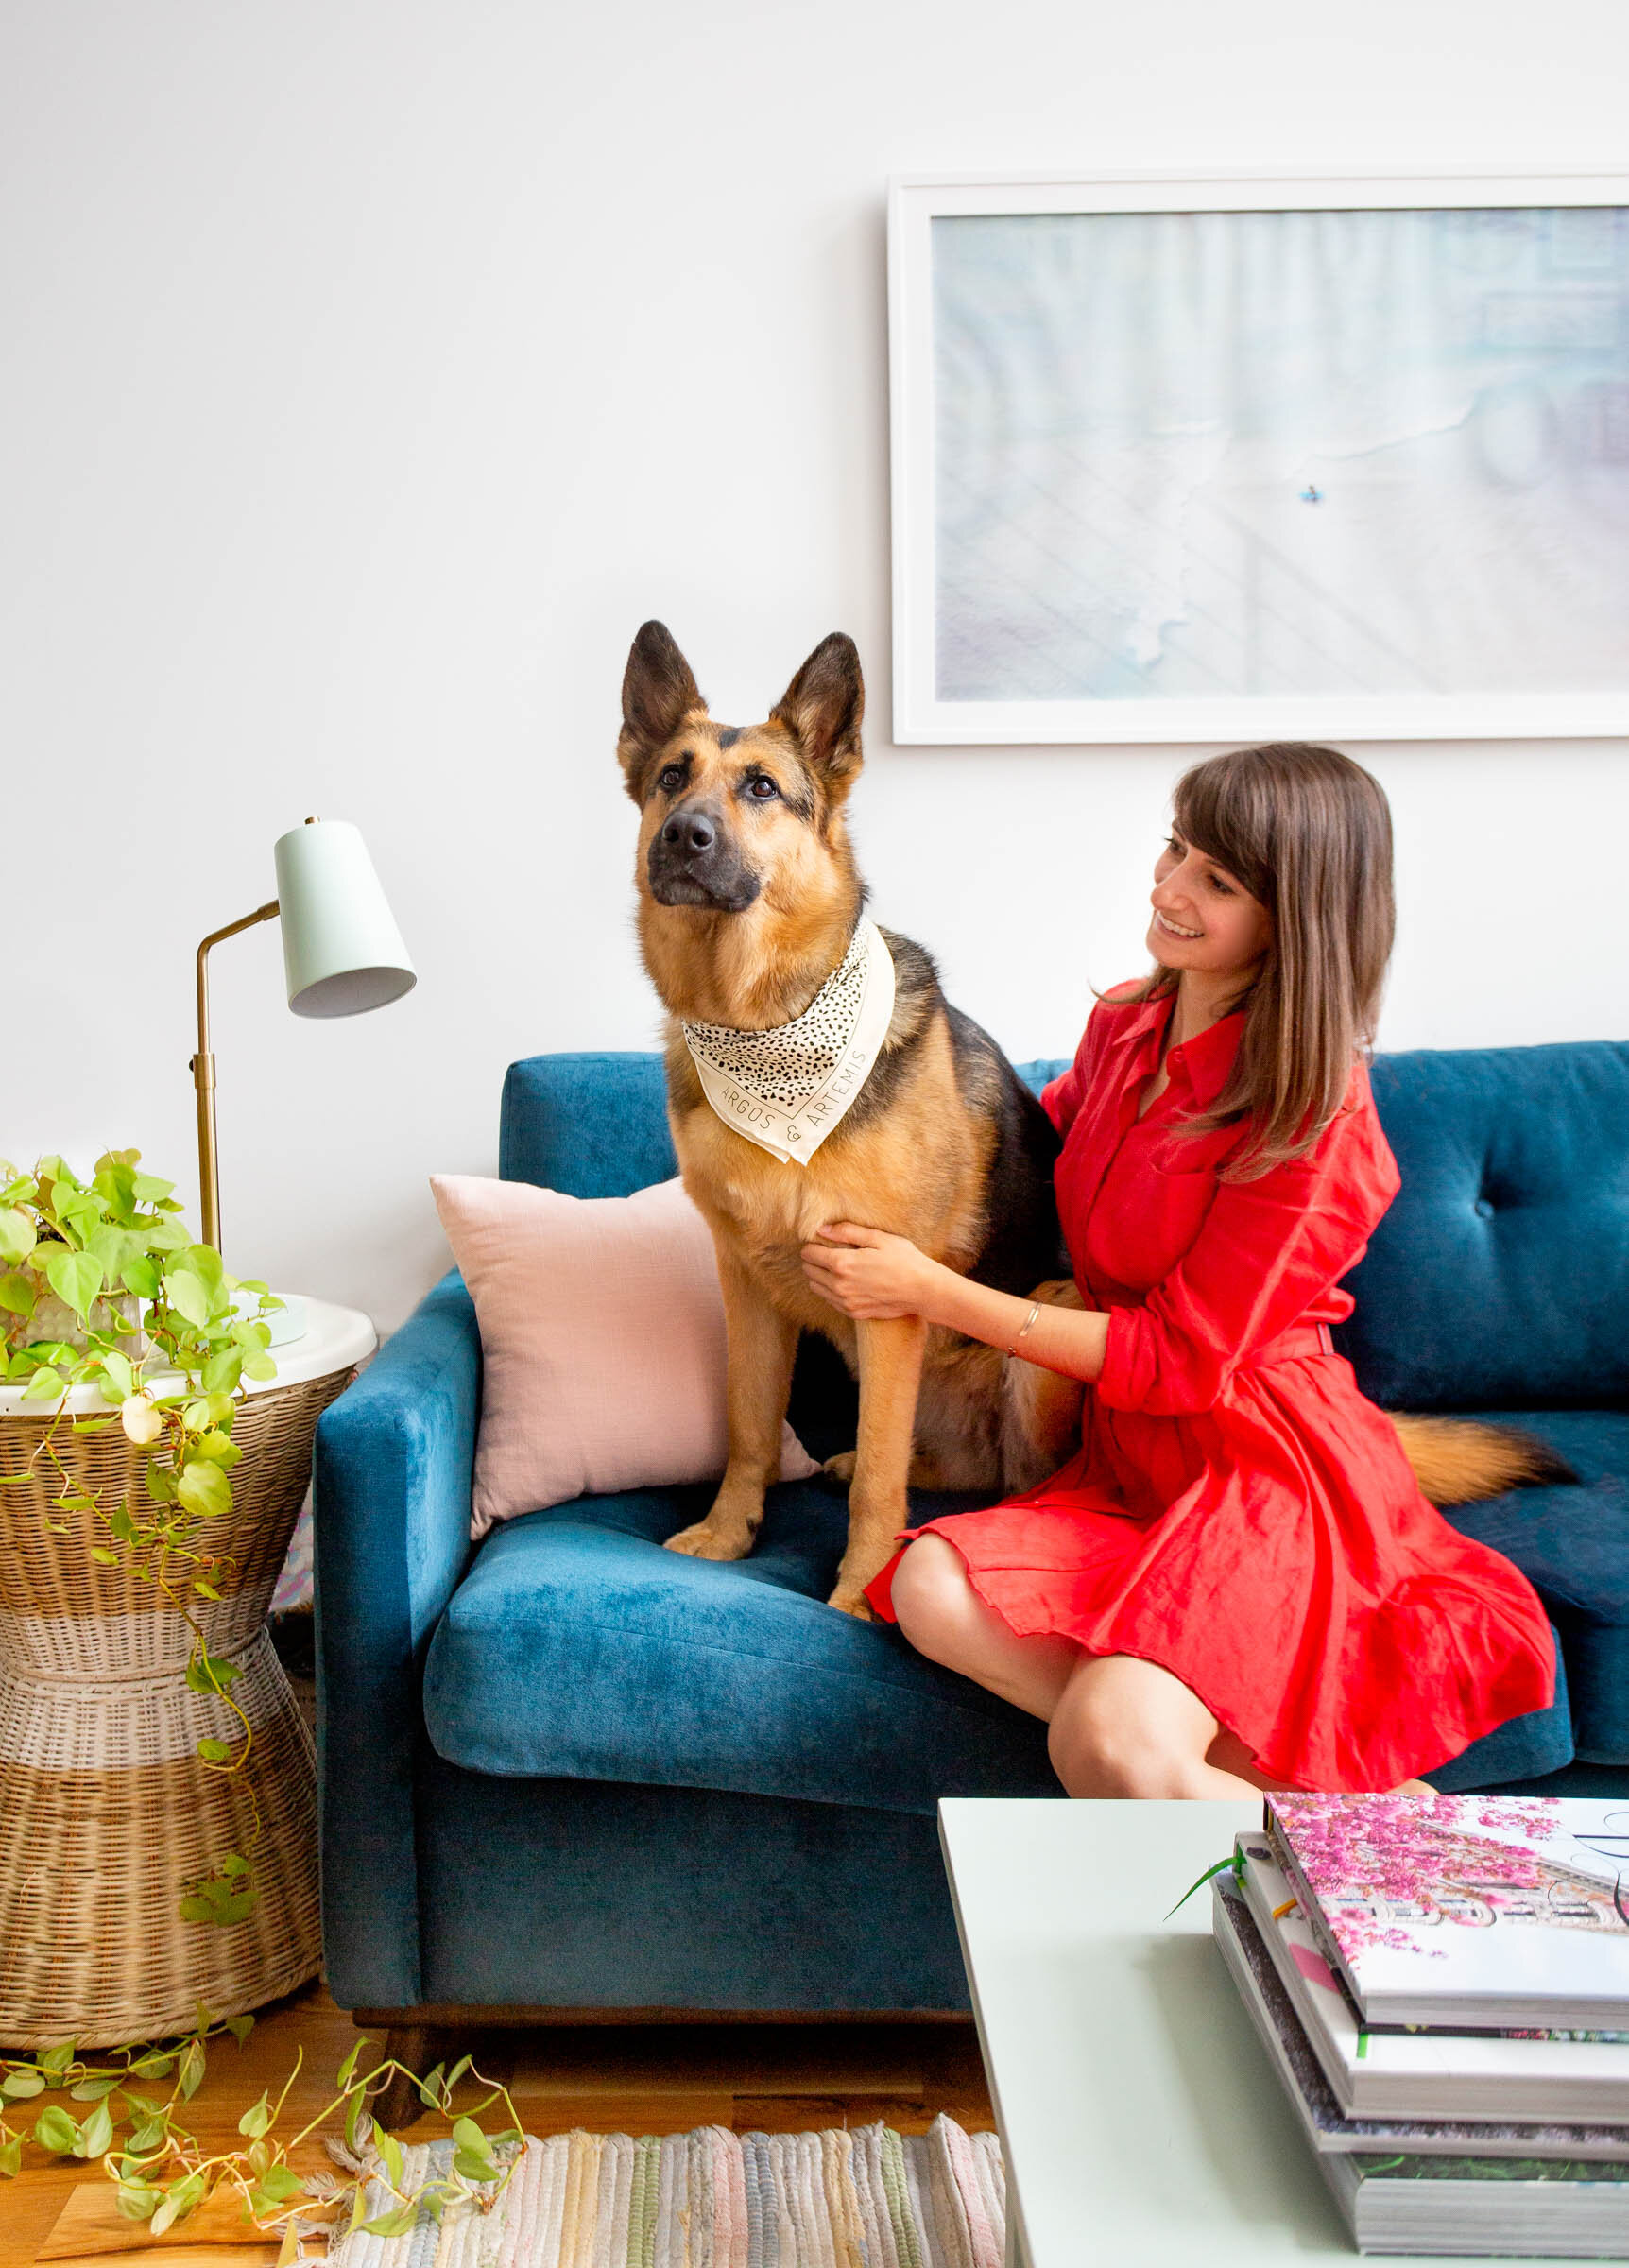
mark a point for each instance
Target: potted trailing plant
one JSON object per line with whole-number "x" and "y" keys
{"x": 145, "y": 1503}
{"x": 127, "y": 1446}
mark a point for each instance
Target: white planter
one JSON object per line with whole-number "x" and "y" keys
{"x": 53, "y": 1319}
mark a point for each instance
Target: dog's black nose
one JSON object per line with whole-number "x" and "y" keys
{"x": 690, "y": 831}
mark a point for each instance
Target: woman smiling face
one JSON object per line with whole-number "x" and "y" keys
{"x": 1205, "y": 920}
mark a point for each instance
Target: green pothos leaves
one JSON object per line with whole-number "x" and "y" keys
{"x": 161, "y": 2174}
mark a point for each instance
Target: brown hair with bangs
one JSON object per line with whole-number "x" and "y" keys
{"x": 1309, "y": 833}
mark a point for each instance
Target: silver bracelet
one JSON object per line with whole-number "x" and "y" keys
{"x": 1026, "y": 1327}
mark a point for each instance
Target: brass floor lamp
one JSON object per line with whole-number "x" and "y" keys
{"x": 342, "y": 954}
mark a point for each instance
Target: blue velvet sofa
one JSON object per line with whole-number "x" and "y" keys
{"x": 568, "y": 1772}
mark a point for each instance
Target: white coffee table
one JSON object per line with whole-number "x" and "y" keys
{"x": 1143, "y": 2126}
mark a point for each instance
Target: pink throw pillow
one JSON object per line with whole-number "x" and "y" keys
{"x": 603, "y": 1344}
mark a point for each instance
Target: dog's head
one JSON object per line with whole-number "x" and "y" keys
{"x": 737, "y": 817}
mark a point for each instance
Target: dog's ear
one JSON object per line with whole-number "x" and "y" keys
{"x": 659, "y": 692}
{"x": 823, "y": 708}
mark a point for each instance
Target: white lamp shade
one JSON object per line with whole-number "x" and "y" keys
{"x": 342, "y": 952}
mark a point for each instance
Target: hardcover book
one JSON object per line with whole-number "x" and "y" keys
{"x": 1465, "y": 1911}
{"x": 1475, "y": 2207}
{"x": 1324, "y": 2124}
{"x": 1426, "y": 2073}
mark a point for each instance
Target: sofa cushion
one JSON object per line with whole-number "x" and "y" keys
{"x": 1496, "y": 1276}
{"x": 602, "y": 1343}
{"x": 1572, "y": 1545}
{"x": 578, "y": 1647}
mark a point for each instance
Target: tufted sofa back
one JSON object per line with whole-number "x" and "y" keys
{"x": 1499, "y": 1278}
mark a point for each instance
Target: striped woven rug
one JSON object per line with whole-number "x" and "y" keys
{"x": 869, "y": 2198}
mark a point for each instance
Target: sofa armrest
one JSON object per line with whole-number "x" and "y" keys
{"x": 394, "y": 1459}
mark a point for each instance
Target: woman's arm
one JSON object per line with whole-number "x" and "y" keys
{"x": 1265, "y": 1250}
{"x": 871, "y": 1275}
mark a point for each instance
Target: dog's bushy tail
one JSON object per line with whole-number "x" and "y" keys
{"x": 1457, "y": 1461}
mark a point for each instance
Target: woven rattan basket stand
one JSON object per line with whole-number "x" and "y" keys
{"x": 106, "y": 1812}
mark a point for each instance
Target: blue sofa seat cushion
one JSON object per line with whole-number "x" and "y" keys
{"x": 577, "y": 1648}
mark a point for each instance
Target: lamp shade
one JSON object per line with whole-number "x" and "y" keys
{"x": 342, "y": 952}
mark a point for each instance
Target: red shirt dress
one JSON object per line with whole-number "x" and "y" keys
{"x": 1238, "y": 1512}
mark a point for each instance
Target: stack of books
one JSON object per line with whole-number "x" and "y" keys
{"x": 1442, "y": 1983}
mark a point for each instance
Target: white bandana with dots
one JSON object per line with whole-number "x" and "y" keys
{"x": 786, "y": 1089}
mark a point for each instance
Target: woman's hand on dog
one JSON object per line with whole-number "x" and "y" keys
{"x": 873, "y": 1276}
{"x": 870, "y": 1274}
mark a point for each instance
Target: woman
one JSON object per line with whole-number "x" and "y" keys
{"x": 1237, "y": 1583}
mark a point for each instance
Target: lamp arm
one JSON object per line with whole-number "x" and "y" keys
{"x": 202, "y": 1069}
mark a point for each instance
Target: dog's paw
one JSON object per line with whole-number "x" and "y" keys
{"x": 848, "y": 1599}
{"x": 704, "y": 1542}
{"x": 841, "y": 1467}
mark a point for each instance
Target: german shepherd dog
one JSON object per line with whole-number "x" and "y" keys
{"x": 748, "y": 896}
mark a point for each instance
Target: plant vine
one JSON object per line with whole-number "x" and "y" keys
{"x": 161, "y": 2172}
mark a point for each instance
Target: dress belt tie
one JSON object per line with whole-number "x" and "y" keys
{"x": 1300, "y": 1339}
{"x": 1291, "y": 1346}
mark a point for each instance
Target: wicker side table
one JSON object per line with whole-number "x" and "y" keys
{"x": 106, "y": 1812}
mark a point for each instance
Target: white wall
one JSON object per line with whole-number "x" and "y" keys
{"x": 372, "y": 367}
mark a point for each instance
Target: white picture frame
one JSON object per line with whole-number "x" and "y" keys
{"x": 1014, "y": 684}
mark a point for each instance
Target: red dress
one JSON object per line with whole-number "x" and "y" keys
{"x": 1238, "y": 1512}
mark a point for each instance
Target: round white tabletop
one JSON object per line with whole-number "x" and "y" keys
{"x": 333, "y": 1338}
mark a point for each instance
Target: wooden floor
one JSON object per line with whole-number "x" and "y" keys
{"x": 634, "y": 2079}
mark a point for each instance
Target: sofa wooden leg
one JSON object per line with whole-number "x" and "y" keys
{"x": 418, "y": 2048}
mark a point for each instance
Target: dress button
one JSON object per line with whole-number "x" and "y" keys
{"x": 1484, "y": 1208}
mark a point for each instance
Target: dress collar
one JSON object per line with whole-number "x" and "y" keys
{"x": 1203, "y": 1063}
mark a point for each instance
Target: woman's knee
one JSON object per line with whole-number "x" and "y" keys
{"x": 933, "y": 1599}
{"x": 1124, "y": 1728}
{"x": 1097, "y": 1758}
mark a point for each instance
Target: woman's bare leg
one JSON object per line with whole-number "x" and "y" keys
{"x": 1125, "y": 1727}
{"x": 944, "y": 1618}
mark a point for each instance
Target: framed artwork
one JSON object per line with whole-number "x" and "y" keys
{"x": 1260, "y": 457}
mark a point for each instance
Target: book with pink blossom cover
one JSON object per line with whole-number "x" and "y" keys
{"x": 1418, "y": 2072}
{"x": 1466, "y": 1911}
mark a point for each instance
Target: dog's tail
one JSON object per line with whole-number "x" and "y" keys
{"x": 1457, "y": 1461}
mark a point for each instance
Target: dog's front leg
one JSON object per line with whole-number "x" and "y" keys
{"x": 1041, "y": 1409}
{"x": 761, "y": 1347}
{"x": 890, "y": 1373}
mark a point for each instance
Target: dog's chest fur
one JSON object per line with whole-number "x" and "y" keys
{"x": 909, "y": 1159}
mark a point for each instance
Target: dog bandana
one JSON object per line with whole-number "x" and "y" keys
{"x": 787, "y": 1088}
